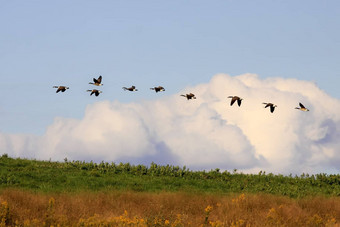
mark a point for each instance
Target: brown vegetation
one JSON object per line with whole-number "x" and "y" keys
{"x": 117, "y": 208}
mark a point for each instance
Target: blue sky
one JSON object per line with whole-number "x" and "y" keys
{"x": 283, "y": 52}
{"x": 147, "y": 43}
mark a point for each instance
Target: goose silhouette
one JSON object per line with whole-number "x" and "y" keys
{"x": 94, "y": 91}
{"x": 302, "y": 107}
{"x": 158, "y": 89}
{"x": 271, "y": 105}
{"x": 61, "y": 88}
{"x": 189, "y": 96}
{"x": 234, "y": 99}
{"x": 98, "y": 81}
{"x": 132, "y": 88}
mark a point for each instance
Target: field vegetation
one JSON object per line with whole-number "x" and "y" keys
{"x": 75, "y": 193}
{"x": 75, "y": 176}
{"x": 118, "y": 208}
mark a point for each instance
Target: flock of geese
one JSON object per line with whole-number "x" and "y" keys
{"x": 98, "y": 82}
{"x": 267, "y": 104}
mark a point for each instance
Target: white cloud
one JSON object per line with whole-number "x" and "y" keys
{"x": 203, "y": 133}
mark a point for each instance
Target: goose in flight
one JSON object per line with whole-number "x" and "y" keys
{"x": 158, "y": 89}
{"x": 94, "y": 91}
{"x": 302, "y": 107}
{"x": 61, "y": 88}
{"x": 132, "y": 88}
{"x": 98, "y": 81}
{"x": 189, "y": 96}
{"x": 234, "y": 99}
{"x": 271, "y": 105}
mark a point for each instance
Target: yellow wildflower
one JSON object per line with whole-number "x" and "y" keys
{"x": 208, "y": 209}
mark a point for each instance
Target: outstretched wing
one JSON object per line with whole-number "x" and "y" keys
{"x": 272, "y": 108}
{"x": 266, "y": 105}
{"x": 99, "y": 80}
{"x": 239, "y": 102}
{"x": 232, "y": 101}
{"x": 302, "y": 106}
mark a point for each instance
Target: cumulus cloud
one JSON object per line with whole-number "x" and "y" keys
{"x": 204, "y": 133}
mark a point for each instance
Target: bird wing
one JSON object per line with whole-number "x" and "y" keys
{"x": 272, "y": 108}
{"x": 239, "y": 102}
{"x": 232, "y": 101}
{"x": 302, "y": 106}
{"x": 266, "y": 105}
{"x": 99, "y": 79}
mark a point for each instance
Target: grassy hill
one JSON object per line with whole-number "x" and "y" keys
{"x": 77, "y": 176}
{"x": 75, "y": 193}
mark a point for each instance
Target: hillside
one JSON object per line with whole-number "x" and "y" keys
{"x": 77, "y": 176}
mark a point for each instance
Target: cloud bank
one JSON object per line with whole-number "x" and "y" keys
{"x": 205, "y": 133}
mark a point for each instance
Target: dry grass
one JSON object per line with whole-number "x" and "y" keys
{"x": 116, "y": 208}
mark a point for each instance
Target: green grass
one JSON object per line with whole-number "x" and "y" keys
{"x": 75, "y": 176}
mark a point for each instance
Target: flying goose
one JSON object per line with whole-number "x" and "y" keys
{"x": 95, "y": 91}
{"x": 302, "y": 107}
{"x": 189, "y": 96}
{"x": 98, "y": 81}
{"x": 234, "y": 99}
{"x": 272, "y": 106}
{"x": 132, "y": 88}
{"x": 158, "y": 89}
{"x": 61, "y": 88}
